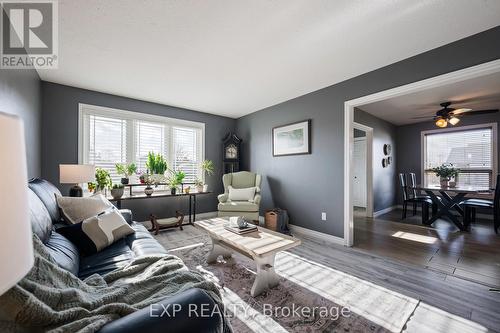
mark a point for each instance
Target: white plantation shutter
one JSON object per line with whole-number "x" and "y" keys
{"x": 471, "y": 150}
{"x": 109, "y": 136}
{"x": 150, "y": 137}
{"x": 186, "y": 152}
{"x": 107, "y": 143}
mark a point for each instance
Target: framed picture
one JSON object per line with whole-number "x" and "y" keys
{"x": 292, "y": 139}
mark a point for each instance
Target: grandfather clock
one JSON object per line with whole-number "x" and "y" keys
{"x": 231, "y": 146}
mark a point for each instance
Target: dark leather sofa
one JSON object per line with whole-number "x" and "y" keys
{"x": 45, "y": 218}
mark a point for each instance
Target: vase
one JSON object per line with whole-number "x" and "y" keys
{"x": 149, "y": 190}
{"x": 205, "y": 188}
{"x": 199, "y": 188}
{"x": 173, "y": 190}
{"x": 444, "y": 181}
{"x": 124, "y": 181}
{"x": 117, "y": 193}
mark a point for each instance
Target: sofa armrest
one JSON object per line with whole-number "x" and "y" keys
{"x": 127, "y": 215}
{"x": 189, "y": 311}
{"x": 222, "y": 197}
{"x": 257, "y": 199}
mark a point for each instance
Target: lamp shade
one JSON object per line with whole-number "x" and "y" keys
{"x": 16, "y": 246}
{"x": 76, "y": 173}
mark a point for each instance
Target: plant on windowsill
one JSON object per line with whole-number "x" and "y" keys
{"x": 445, "y": 172}
{"x": 198, "y": 183}
{"x": 175, "y": 180}
{"x": 148, "y": 180}
{"x": 207, "y": 167}
{"x": 126, "y": 170}
{"x": 102, "y": 180}
{"x": 117, "y": 191}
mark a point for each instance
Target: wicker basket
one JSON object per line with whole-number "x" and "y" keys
{"x": 271, "y": 220}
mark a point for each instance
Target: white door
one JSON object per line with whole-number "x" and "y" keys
{"x": 359, "y": 173}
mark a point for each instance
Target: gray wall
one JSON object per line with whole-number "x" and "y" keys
{"x": 384, "y": 179}
{"x": 20, "y": 95}
{"x": 409, "y": 143}
{"x": 307, "y": 185}
{"x": 60, "y": 141}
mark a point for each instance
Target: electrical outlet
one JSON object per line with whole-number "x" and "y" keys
{"x": 323, "y": 216}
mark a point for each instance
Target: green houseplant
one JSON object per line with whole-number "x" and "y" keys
{"x": 175, "y": 180}
{"x": 207, "y": 167}
{"x": 126, "y": 170}
{"x": 102, "y": 179}
{"x": 117, "y": 191}
{"x": 445, "y": 172}
{"x": 156, "y": 164}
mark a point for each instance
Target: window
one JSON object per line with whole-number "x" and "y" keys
{"x": 109, "y": 136}
{"x": 472, "y": 149}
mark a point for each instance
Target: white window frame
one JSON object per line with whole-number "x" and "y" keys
{"x": 494, "y": 153}
{"x": 88, "y": 109}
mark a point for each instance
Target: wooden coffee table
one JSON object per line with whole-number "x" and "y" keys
{"x": 261, "y": 246}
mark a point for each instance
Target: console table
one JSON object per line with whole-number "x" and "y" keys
{"x": 162, "y": 194}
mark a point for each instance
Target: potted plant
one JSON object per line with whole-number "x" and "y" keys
{"x": 445, "y": 172}
{"x": 198, "y": 183}
{"x": 156, "y": 164}
{"x": 102, "y": 180}
{"x": 126, "y": 170}
{"x": 175, "y": 180}
{"x": 148, "y": 181}
{"x": 207, "y": 167}
{"x": 117, "y": 191}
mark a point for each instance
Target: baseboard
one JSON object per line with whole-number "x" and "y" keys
{"x": 316, "y": 234}
{"x": 384, "y": 211}
{"x": 419, "y": 209}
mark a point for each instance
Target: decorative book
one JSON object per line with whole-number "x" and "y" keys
{"x": 238, "y": 230}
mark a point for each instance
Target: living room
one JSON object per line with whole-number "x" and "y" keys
{"x": 157, "y": 127}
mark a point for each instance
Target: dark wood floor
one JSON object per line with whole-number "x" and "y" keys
{"x": 474, "y": 255}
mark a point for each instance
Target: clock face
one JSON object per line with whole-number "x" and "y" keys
{"x": 231, "y": 151}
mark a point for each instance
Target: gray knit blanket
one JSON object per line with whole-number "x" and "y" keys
{"x": 52, "y": 299}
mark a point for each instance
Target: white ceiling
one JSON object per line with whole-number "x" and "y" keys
{"x": 233, "y": 57}
{"x": 481, "y": 93}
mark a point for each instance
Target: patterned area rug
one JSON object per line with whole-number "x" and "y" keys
{"x": 268, "y": 311}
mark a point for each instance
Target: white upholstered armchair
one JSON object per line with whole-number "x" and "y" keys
{"x": 241, "y": 195}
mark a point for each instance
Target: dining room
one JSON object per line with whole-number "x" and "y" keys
{"x": 434, "y": 172}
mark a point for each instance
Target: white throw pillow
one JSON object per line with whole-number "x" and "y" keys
{"x": 241, "y": 194}
{"x": 76, "y": 209}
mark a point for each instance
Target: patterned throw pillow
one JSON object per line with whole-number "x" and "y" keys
{"x": 77, "y": 209}
{"x": 98, "y": 232}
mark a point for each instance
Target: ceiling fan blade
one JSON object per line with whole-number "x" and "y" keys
{"x": 460, "y": 111}
{"x": 477, "y": 112}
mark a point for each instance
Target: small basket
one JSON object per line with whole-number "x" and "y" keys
{"x": 271, "y": 220}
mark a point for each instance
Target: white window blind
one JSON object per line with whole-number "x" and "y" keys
{"x": 107, "y": 143}
{"x": 185, "y": 145}
{"x": 150, "y": 137}
{"x": 109, "y": 136}
{"x": 469, "y": 150}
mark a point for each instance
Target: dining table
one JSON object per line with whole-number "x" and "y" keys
{"x": 449, "y": 200}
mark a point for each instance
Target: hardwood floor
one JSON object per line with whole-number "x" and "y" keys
{"x": 473, "y": 255}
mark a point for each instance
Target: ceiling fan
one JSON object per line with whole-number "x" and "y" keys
{"x": 448, "y": 115}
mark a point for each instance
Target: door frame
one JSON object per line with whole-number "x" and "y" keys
{"x": 369, "y": 165}
{"x": 433, "y": 82}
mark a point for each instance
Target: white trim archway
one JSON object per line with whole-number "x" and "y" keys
{"x": 448, "y": 78}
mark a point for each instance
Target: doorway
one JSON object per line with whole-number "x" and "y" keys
{"x": 362, "y": 194}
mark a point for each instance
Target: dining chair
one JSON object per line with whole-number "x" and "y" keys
{"x": 412, "y": 184}
{"x": 470, "y": 206}
{"x": 413, "y": 199}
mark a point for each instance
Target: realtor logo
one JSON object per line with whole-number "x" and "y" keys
{"x": 29, "y": 34}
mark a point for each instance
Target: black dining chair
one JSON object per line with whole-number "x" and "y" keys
{"x": 470, "y": 206}
{"x": 410, "y": 195}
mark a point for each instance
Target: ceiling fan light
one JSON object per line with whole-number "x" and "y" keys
{"x": 454, "y": 120}
{"x": 441, "y": 122}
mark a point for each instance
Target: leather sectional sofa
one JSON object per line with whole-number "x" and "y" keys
{"x": 42, "y": 194}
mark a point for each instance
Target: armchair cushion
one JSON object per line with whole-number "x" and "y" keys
{"x": 243, "y": 179}
{"x": 238, "y": 206}
{"x": 241, "y": 194}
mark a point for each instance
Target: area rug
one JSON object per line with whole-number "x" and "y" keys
{"x": 303, "y": 284}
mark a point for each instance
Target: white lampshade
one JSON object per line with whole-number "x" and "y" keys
{"x": 16, "y": 246}
{"x": 76, "y": 173}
